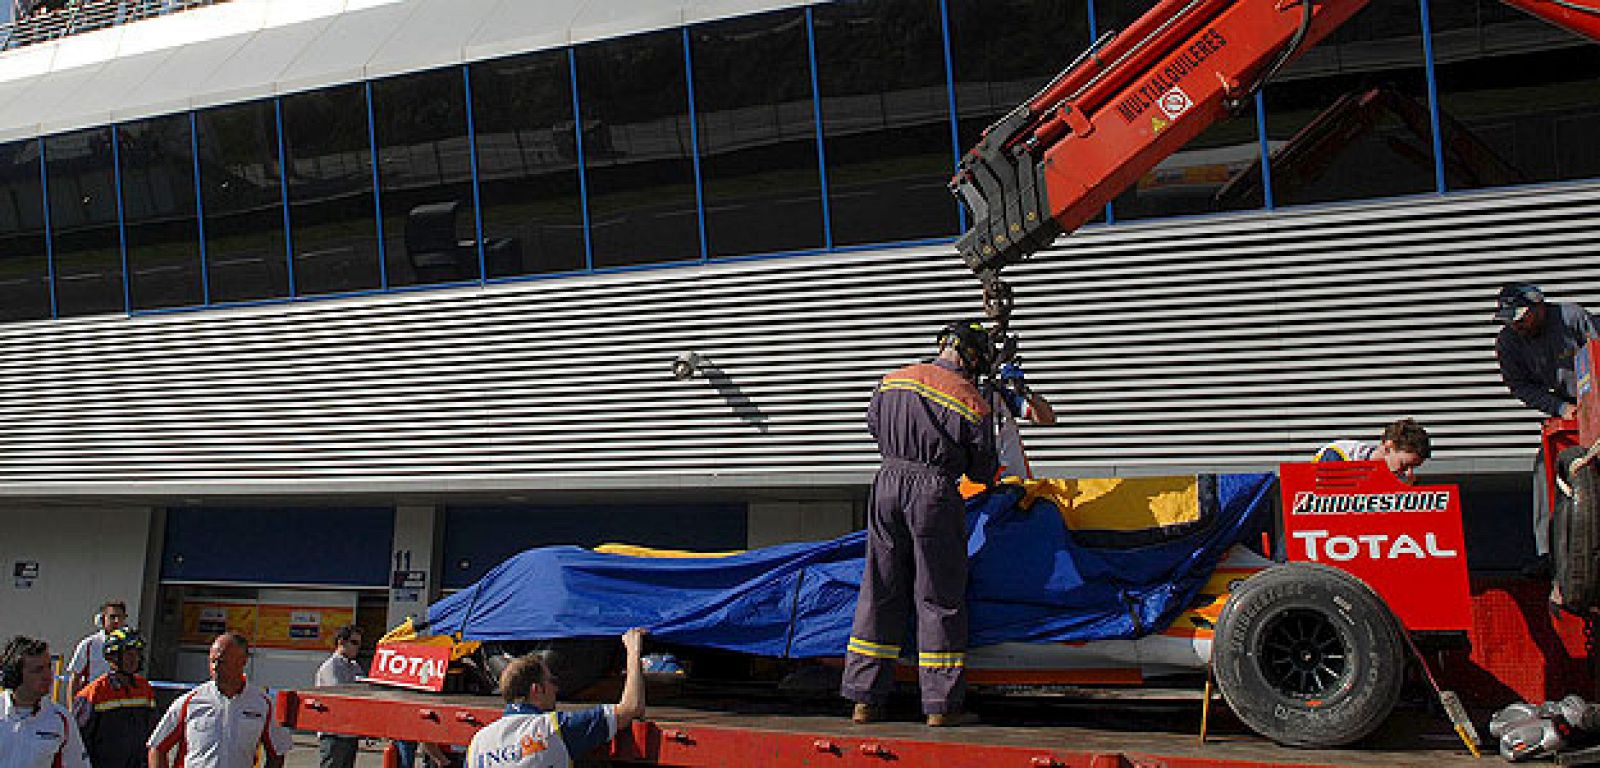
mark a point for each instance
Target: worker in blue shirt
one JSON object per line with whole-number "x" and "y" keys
{"x": 532, "y": 734}
{"x": 1537, "y": 350}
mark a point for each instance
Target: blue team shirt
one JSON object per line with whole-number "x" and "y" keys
{"x": 582, "y": 731}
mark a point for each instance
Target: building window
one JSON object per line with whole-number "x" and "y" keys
{"x": 332, "y": 220}
{"x": 885, "y": 120}
{"x": 24, "y": 268}
{"x": 158, "y": 207}
{"x": 1519, "y": 99}
{"x": 1350, "y": 119}
{"x": 528, "y": 165}
{"x": 83, "y": 223}
{"x": 637, "y": 151}
{"x": 1219, "y": 170}
{"x": 758, "y": 135}
{"x": 430, "y": 228}
{"x": 1004, "y": 51}
{"x": 242, "y": 198}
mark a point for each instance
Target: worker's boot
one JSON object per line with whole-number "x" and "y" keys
{"x": 865, "y": 713}
{"x": 952, "y": 719}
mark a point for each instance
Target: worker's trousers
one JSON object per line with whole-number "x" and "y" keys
{"x": 916, "y": 560}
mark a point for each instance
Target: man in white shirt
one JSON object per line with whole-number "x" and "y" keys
{"x": 89, "y": 658}
{"x": 222, "y": 723}
{"x": 34, "y": 732}
{"x": 338, "y": 751}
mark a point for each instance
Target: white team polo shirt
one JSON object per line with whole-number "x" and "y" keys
{"x": 89, "y": 658}
{"x": 39, "y": 738}
{"x": 206, "y": 729}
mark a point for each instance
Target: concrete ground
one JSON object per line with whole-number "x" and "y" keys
{"x": 304, "y": 754}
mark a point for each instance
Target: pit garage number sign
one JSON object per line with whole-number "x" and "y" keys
{"x": 1404, "y": 541}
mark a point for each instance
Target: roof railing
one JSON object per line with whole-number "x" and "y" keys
{"x": 44, "y": 20}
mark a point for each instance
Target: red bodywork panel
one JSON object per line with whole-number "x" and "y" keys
{"x": 1404, "y": 541}
{"x": 1588, "y": 364}
{"x": 416, "y": 666}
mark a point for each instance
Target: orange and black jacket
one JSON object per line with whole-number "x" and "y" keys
{"x": 120, "y": 718}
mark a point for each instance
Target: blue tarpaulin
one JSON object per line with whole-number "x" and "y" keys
{"x": 1031, "y": 579}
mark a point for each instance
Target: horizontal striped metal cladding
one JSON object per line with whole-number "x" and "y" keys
{"x": 1218, "y": 342}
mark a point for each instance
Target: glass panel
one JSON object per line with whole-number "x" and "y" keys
{"x": 636, "y": 150}
{"x": 758, "y": 135}
{"x": 24, "y": 271}
{"x": 1350, "y": 118}
{"x": 243, "y": 202}
{"x": 329, "y": 158}
{"x": 1004, "y": 51}
{"x": 425, "y": 169}
{"x": 158, "y": 212}
{"x": 1219, "y": 170}
{"x": 886, "y": 120}
{"x": 1519, "y": 98}
{"x": 528, "y": 164}
{"x": 83, "y": 223}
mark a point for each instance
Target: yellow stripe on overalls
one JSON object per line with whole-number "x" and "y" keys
{"x": 873, "y": 650}
{"x": 912, "y": 385}
{"x": 942, "y": 659}
{"x": 110, "y": 704}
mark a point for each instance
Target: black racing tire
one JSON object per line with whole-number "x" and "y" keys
{"x": 1575, "y": 535}
{"x": 576, "y": 662}
{"x": 1308, "y": 656}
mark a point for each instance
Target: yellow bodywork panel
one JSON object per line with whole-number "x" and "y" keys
{"x": 634, "y": 550}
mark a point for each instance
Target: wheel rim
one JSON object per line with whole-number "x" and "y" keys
{"x": 1303, "y": 655}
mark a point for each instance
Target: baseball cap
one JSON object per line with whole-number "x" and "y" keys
{"x": 1515, "y": 300}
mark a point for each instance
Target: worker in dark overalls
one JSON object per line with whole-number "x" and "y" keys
{"x": 932, "y": 426}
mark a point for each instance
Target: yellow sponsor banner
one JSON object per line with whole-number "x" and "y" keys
{"x": 300, "y": 627}
{"x": 205, "y": 619}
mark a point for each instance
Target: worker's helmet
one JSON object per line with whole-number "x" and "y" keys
{"x": 120, "y": 640}
{"x": 1514, "y": 301}
{"x": 972, "y": 342}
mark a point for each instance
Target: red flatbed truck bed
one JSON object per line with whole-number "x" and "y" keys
{"x": 765, "y": 732}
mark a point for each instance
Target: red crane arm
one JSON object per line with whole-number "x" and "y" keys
{"x": 1578, "y": 16}
{"x": 1133, "y": 99}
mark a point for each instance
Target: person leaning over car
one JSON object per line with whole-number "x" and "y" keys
{"x": 532, "y": 734}
{"x": 1537, "y": 349}
{"x": 1403, "y": 447}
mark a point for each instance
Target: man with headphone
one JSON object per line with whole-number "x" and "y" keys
{"x": 34, "y": 732}
{"x": 932, "y": 426}
{"x": 89, "y": 658}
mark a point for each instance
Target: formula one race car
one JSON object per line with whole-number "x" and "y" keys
{"x": 1118, "y": 582}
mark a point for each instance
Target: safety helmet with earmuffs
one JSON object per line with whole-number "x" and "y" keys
{"x": 125, "y": 639}
{"x": 972, "y": 342}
